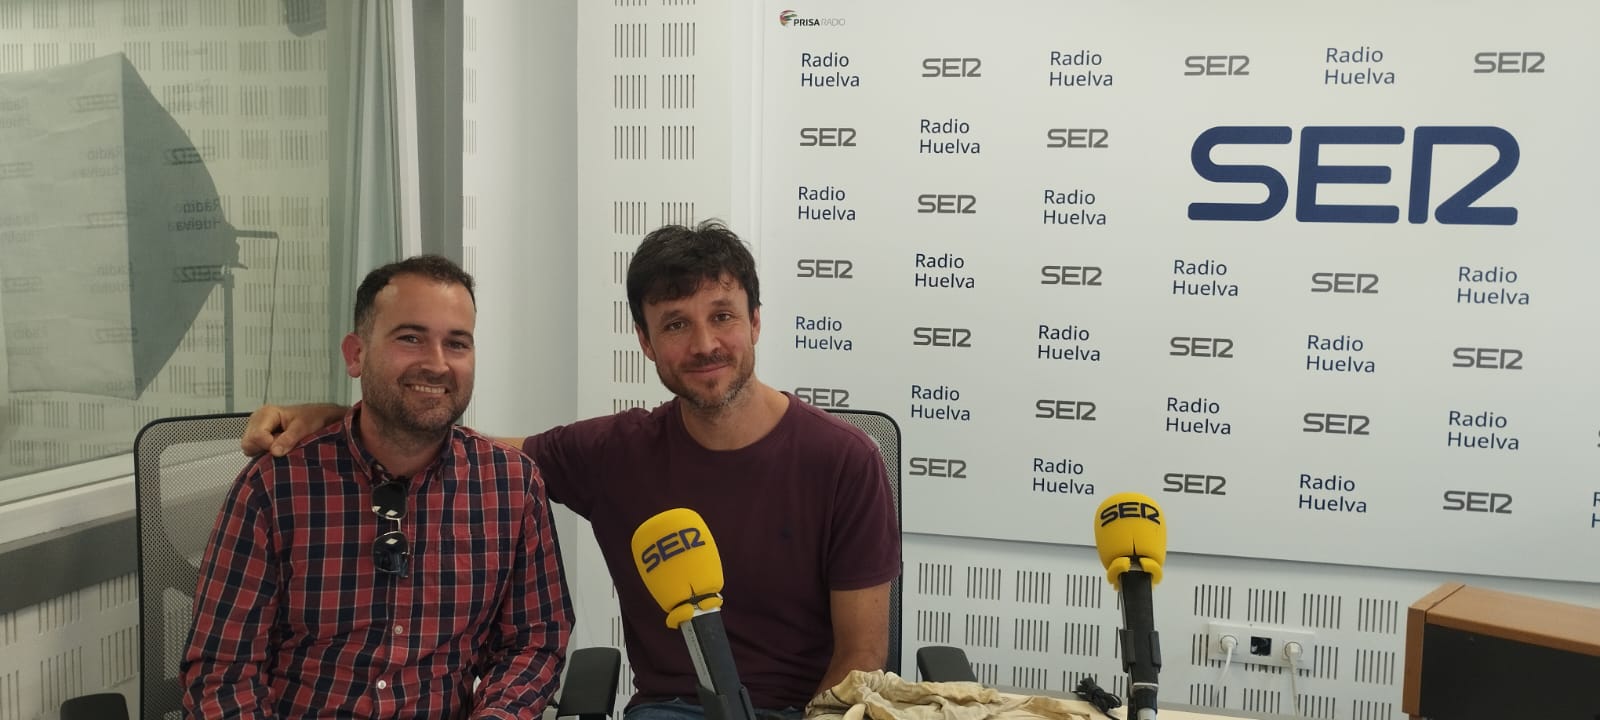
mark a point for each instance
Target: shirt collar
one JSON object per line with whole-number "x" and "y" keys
{"x": 369, "y": 466}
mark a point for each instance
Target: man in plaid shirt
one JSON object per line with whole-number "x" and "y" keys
{"x": 394, "y": 559}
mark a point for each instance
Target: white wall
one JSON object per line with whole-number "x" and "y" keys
{"x": 1030, "y": 614}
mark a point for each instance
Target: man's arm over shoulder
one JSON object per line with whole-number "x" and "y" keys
{"x": 571, "y": 458}
{"x": 535, "y": 621}
{"x": 277, "y": 429}
{"x": 222, "y": 671}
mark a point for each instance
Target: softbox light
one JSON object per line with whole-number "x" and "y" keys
{"x": 112, "y": 234}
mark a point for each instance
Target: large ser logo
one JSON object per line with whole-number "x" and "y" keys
{"x": 1458, "y": 209}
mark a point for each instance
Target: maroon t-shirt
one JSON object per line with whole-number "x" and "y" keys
{"x": 800, "y": 512}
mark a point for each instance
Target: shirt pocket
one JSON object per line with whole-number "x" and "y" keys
{"x": 468, "y": 573}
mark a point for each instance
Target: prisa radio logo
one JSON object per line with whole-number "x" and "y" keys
{"x": 1458, "y": 209}
{"x": 790, "y": 18}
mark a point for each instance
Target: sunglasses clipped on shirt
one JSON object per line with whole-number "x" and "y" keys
{"x": 391, "y": 552}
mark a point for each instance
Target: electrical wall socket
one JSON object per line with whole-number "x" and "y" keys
{"x": 1262, "y": 644}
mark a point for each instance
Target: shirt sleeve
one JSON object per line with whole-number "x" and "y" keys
{"x": 864, "y": 542}
{"x": 534, "y": 625}
{"x": 564, "y": 455}
{"x": 235, "y": 602}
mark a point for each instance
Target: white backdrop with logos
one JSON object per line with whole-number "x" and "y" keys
{"x": 997, "y": 567}
{"x": 1316, "y": 283}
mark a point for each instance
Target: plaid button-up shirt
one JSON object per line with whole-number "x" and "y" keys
{"x": 292, "y": 618}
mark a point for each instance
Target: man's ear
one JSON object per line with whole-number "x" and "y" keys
{"x": 353, "y": 349}
{"x": 644, "y": 342}
{"x": 755, "y": 325}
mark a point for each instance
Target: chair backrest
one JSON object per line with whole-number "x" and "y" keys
{"x": 183, "y": 469}
{"x": 883, "y": 431}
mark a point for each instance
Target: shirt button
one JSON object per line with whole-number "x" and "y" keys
{"x": 399, "y": 629}
{"x": 383, "y": 684}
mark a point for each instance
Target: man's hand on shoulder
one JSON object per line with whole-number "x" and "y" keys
{"x": 277, "y": 428}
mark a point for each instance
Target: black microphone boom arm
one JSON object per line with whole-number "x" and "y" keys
{"x": 721, "y": 694}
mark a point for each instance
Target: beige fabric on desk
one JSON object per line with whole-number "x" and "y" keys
{"x": 886, "y": 696}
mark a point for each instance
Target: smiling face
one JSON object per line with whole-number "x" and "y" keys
{"x": 703, "y": 345}
{"x": 415, "y": 360}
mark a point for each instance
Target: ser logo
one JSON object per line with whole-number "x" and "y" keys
{"x": 1473, "y": 501}
{"x": 1194, "y": 484}
{"x": 1052, "y": 409}
{"x": 1078, "y": 138}
{"x": 1344, "y": 282}
{"x": 669, "y": 546}
{"x": 22, "y": 284}
{"x": 1487, "y": 358}
{"x": 952, "y": 67}
{"x": 824, "y": 268}
{"x": 183, "y": 156}
{"x": 1458, "y": 209}
{"x": 947, "y": 204}
{"x": 1130, "y": 510}
{"x": 1216, "y": 65}
{"x": 827, "y": 137}
{"x": 96, "y": 101}
{"x": 939, "y": 467}
{"x": 1201, "y": 347}
{"x": 1088, "y": 275}
{"x": 1336, "y": 423}
{"x": 198, "y": 273}
{"x": 941, "y": 337}
{"x": 823, "y": 397}
{"x": 1508, "y": 62}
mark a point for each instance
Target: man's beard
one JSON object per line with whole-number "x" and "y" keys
{"x": 697, "y": 401}
{"x": 387, "y": 403}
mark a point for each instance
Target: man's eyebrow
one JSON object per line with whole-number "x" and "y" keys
{"x": 415, "y": 327}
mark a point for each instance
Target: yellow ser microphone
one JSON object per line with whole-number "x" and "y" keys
{"x": 1130, "y": 533}
{"x": 1130, "y": 526}
{"x": 678, "y": 561}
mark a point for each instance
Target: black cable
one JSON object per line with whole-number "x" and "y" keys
{"x": 1096, "y": 695}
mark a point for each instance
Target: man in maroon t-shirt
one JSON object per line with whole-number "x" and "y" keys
{"x": 797, "y": 500}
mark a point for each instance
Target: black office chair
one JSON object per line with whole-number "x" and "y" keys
{"x": 595, "y": 681}
{"x": 99, "y": 706}
{"x": 943, "y": 663}
{"x": 886, "y": 434}
{"x": 183, "y": 469}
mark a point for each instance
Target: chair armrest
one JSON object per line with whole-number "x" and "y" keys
{"x": 940, "y": 663}
{"x": 99, "y": 706}
{"x": 590, "y": 691}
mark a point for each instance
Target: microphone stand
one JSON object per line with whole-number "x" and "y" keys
{"x": 721, "y": 694}
{"x": 1141, "y": 646}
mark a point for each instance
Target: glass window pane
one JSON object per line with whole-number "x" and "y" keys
{"x": 164, "y": 205}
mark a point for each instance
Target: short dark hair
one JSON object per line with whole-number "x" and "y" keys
{"x": 672, "y": 262}
{"x": 433, "y": 267}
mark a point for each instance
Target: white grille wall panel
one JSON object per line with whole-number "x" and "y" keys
{"x": 83, "y": 642}
{"x": 1356, "y": 613}
{"x": 655, "y": 146}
